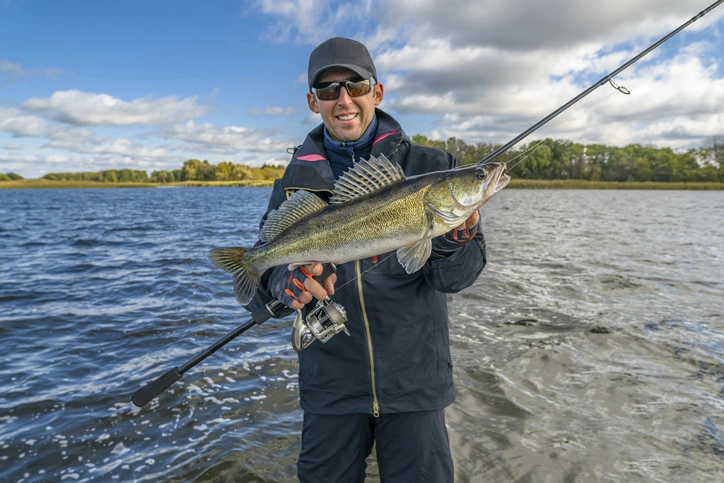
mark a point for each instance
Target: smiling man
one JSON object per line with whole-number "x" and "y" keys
{"x": 389, "y": 382}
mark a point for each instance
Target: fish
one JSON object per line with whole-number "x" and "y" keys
{"x": 374, "y": 209}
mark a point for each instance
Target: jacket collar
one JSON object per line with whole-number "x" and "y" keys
{"x": 309, "y": 167}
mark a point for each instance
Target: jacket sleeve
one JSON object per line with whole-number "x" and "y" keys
{"x": 459, "y": 270}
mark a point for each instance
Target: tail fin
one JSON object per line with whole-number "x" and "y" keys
{"x": 232, "y": 261}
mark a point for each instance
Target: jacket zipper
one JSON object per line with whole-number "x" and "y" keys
{"x": 375, "y": 403}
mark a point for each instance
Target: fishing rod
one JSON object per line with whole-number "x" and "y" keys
{"x": 602, "y": 81}
{"x": 326, "y": 320}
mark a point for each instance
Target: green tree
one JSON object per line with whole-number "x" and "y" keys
{"x": 189, "y": 172}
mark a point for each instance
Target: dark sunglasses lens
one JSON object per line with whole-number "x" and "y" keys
{"x": 356, "y": 89}
{"x": 328, "y": 93}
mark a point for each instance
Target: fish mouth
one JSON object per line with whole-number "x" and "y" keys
{"x": 502, "y": 181}
{"x": 498, "y": 180}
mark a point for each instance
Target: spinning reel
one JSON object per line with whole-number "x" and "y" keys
{"x": 324, "y": 322}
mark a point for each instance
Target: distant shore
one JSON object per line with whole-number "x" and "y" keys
{"x": 514, "y": 184}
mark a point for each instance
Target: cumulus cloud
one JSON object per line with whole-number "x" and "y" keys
{"x": 18, "y": 158}
{"x": 308, "y": 20}
{"x": 14, "y": 71}
{"x": 20, "y": 124}
{"x": 486, "y": 70}
{"x": 7, "y": 67}
{"x": 116, "y": 147}
{"x": 225, "y": 140}
{"x": 532, "y": 25}
{"x": 89, "y": 109}
{"x": 274, "y": 111}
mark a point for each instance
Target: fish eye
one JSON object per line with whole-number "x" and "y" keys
{"x": 481, "y": 174}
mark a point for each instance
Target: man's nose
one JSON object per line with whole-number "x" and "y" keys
{"x": 344, "y": 97}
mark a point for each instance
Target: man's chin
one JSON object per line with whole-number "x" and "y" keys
{"x": 347, "y": 135}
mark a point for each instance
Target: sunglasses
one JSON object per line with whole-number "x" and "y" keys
{"x": 331, "y": 91}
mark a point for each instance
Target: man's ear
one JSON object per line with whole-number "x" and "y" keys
{"x": 379, "y": 94}
{"x": 312, "y": 102}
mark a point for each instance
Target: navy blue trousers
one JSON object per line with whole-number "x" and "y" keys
{"x": 411, "y": 447}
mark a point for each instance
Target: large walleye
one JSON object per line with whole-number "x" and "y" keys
{"x": 374, "y": 209}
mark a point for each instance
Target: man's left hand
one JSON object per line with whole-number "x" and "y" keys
{"x": 471, "y": 221}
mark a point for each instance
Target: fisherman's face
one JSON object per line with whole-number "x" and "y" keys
{"x": 346, "y": 118}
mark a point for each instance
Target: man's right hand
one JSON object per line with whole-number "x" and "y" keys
{"x": 296, "y": 288}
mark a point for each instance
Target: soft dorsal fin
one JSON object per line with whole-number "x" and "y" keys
{"x": 366, "y": 177}
{"x": 299, "y": 205}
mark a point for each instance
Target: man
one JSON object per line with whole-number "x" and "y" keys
{"x": 389, "y": 382}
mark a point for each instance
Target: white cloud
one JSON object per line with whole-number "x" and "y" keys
{"x": 225, "y": 140}
{"x": 17, "y": 158}
{"x": 11, "y": 72}
{"x": 20, "y": 124}
{"x": 117, "y": 147}
{"x": 12, "y": 146}
{"x": 486, "y": 70}
{"x": 274, "y": 111}
{"x": 7, "y": 67}
{"x": 312, "y": 21}
{"x": 84, "y": 108}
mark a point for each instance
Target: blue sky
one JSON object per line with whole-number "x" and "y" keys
{"x": 87, "y": 85}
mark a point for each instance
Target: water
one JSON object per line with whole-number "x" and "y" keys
{"x": 591, "y": 348}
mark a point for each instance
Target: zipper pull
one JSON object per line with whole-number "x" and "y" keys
{"x": 376, "y": 409}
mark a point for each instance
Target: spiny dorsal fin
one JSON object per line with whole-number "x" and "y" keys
{"x": 366, "y": 177}
{"x": 299, "y": 205}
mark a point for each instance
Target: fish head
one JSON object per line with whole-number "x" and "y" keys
{"x": 460, "y": 192}
{"x": 472, "y": 187}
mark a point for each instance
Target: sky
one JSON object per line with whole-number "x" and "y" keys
{"x": 89, "y": 86}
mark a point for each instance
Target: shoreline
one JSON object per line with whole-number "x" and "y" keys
{"x": 514, "y": 184}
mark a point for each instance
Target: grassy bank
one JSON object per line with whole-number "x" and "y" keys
{"x": 514, "y": 184}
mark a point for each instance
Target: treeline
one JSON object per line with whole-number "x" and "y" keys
{"x": 192, "y": 170}
{"x": 107, "y": 176}
{"x": 195, "y": 170}
{"x": 10, "y": 177}
{"x": 556, "y": 159}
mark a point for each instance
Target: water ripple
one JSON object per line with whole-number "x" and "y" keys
{"x": 590, "y": 349}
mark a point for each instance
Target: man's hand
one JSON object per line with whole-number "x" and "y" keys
{"x": 451, "y": 241}
{"x": 313, "y": 288}
{"x": 296, "y": 288}
{"x": 471, "y": 221}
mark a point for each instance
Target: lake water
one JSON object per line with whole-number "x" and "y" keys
{"x": 591, "y": 348}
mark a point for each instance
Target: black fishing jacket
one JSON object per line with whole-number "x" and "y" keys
{"x": 397, "y": 358}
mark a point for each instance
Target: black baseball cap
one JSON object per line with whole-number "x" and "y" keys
{"x": 340, "y": 52}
